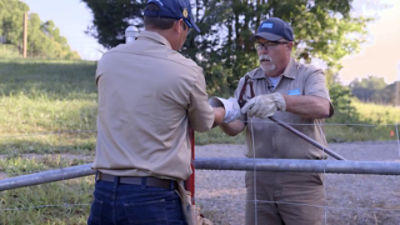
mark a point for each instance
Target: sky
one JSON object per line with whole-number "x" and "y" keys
{"x": 379, "y": 56}
{"x": 72, "y": 17}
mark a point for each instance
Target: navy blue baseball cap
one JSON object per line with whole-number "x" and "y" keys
{"x": 175, "y": 9}
{"x": 274, "y": 29}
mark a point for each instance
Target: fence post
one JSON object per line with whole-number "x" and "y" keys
{"x": 25, "y": 41}
{"x": 130, "y": 34}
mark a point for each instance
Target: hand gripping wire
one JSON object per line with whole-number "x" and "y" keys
{"x": 242, "y": 102}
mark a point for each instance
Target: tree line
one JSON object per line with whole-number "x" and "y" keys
{"x": 44, "y": 39}
{"x": 374, "y": 89}
{"x": 323, "y": 29}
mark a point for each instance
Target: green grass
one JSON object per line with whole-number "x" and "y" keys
{"x": 377, "y": 122}
{"x": 47, "y": 106}
{"x": 50, "y": 107}
{"x": 62, "y": 202}
{"x": 378, "y": 114}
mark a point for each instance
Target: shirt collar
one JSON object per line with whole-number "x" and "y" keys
{"x": 154, "y": 36}
{"x": 290, "y": 69}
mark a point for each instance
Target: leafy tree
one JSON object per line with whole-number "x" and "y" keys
{"x": 323, "y": 29}
{"x": 11, "y": 20}
{"x": 44, "y": 39}
{"x": 111, "y": 18}
{"x": 341, "y": 99}
{"x": 366, "y": 88}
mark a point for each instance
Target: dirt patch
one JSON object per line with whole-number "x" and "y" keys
{"x": 351, "y": 199}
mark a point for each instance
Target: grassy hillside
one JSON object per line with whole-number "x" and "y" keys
{"x": 50, "y": 107}
{"x": 47, "y": 106}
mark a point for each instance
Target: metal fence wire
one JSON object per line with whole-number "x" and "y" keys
{"x": 363, "y": 189}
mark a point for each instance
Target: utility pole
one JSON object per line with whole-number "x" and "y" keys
{"x": 25, "y": 45}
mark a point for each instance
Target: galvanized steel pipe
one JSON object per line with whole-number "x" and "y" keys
{"x": 300, "y": 165}
{"x": 282, "y": 165}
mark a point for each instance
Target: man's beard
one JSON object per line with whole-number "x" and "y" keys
{"x": 264, "y": 59}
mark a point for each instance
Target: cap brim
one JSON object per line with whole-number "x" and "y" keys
{"x": 268, "y": 36}
{"x": 195, "y": 27}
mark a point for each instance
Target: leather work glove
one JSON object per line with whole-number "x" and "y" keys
{"x": 264, "y": 106}
{"x": 231, "y": 105}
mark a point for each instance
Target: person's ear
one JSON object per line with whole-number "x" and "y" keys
{"x": 177, "y": 26}
{"x": 290, "y": 45}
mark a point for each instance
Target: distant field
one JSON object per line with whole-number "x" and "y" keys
{"x": 49, "y": 108}
{"x": 379, "y": 122}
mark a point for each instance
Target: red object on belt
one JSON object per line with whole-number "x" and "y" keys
{"x": 189, "y": 183}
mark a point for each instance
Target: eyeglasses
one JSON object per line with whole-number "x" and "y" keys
{"x": 260, "y": 46}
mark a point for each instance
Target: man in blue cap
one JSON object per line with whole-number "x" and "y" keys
{"x": 149, "y": 97}
{"x": 294, "y": 93}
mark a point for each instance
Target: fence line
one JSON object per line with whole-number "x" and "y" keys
{"x": 56, "y": 132}
{"x": 282, "y": 165}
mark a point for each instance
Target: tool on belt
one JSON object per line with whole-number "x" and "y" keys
{"x": 242, "y": 102}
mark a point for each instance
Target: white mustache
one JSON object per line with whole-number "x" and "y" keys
{"x": 264, "y": 57}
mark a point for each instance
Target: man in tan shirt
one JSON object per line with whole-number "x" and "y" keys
{"x": 294, "y": 93}
{"x": 149, "y": 97}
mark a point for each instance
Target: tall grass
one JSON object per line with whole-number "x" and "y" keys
{"x": 63, "y": 202}
{"x": 9, "y": 51}
{"x": 375, "y": 122}
{"x": 47, "y": 106}
{"x": 50, "y": 107}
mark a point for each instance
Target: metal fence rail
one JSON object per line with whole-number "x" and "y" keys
{"x": 288, "y": 165}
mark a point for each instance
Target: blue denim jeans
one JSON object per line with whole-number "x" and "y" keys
{"x": 123, "y": 204}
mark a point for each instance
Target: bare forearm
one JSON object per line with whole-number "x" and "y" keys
{"x": 219, "y": 114}
{"x": 308, "y": 106}
{"x": 233, "y": 128}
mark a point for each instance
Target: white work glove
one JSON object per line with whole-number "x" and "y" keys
{"x": 231, "y": 105}
{"x": 264, "y": 106}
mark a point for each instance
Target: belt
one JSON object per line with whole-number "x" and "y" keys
{"x": 147, "y": 181}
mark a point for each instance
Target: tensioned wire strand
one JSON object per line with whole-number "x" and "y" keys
{"x": 254, "y": 172}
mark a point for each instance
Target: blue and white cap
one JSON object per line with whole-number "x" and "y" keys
{"x": 175, "y": 9}
{"x": 274, "y": 29}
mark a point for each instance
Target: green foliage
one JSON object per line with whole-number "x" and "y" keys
{"x": 111, "y": 18}
{"x": 366, "y": 88}
{"x": 341, "y": 99}
{"x": 378, "y": 114}
{"x": 374, "y": 89}
{"x": 10, "y": 51}
{"x": 357, "y": 121}
{"x": 44, "y": 39}
{"x": 224, "y": 48}
{"x": 11, "y": 20}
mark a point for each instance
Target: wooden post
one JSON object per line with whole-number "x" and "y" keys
{"x": 25, "y": 44}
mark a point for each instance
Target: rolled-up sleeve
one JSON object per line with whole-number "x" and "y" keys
{"x": 201, "y": 114}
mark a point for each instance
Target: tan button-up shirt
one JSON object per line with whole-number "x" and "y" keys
{"x": 272, "y": 140}
{"x": 149, "y": 95}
